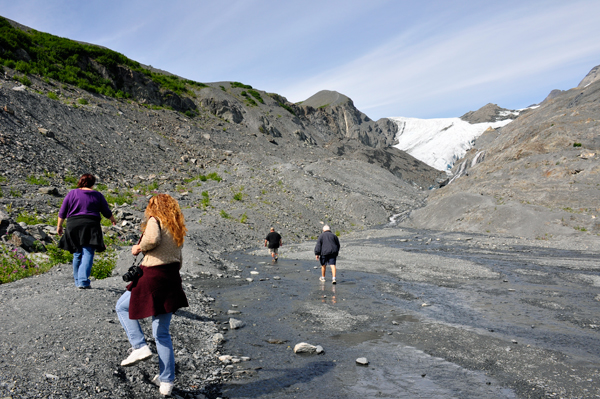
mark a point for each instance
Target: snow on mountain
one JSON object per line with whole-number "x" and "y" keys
{"x": 439, "y": 142}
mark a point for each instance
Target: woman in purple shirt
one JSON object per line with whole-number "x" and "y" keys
{"x": 82, "y": 208}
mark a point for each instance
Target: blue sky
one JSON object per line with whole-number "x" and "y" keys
{"x": 424, "y": 59}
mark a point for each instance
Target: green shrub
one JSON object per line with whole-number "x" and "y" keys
{"x": 57, "y": 255}
{"x": 240, "y": 85}
{"x": 13, "y": 192}
{"x": 256, "y": 95}
{"x": 52, "y": 95}
{"x": 576, "y": 144}
{"x": 83, "y": 101}
{"x": 23, "y": 79}
{"x": 104, "y": 263}
{"x": 287, "y": 108}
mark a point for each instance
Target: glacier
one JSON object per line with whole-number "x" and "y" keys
{"x": 439, "y": 142}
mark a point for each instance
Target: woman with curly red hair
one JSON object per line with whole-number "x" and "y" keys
{"x": 158, "y": 291}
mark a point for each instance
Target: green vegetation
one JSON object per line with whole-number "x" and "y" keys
{"x": 69, "y": 62}
{"x": 287, "y": 108}
{"x": 14, "y": 265}
{"x": 30, "y": 218}
{"x": 119, "y": 197}
{"x": 82, "y": 101}
{"x": 240, "y": 85}
{"x": 244, "y": 218}
{"x": 224, "y": 214}
{"x": 13, "y": 192}
{"x": 52, "y": 95}
{"x": 23, "y": 79}
{"x": 256, "y": 95}
{"x": 211, "y": 176}
{"x": 38, "y": 181}
{"x": 576, "y": 144}
{"x": 205, "y": 201}
{"x": 238, "y": 196}
{"x": 71, "y": 180}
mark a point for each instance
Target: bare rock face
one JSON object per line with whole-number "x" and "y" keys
{"x": 339, "y": 118}
{"x": 489, "y": 113}
{"x": 591, "y": 77}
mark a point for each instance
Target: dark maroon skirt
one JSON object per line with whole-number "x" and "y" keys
{"x": 157, "y": 291}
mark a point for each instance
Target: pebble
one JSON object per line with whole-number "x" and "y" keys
{"x": 235, "y": 323}
{"x": 362, "y": 361}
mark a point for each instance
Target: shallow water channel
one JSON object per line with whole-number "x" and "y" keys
{"x": 417, "y": 335}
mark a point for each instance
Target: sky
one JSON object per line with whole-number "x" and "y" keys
{"x": 393, "y": 58}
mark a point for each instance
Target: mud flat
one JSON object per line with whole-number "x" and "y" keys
{"x": 437, "y": 315}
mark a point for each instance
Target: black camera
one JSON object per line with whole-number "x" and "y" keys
{"x": 133, "y": 274}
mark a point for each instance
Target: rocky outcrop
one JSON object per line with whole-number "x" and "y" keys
{"x": 337, "y": 117}
{"x": 591, "y": 77}
{"x": 489, "y": 113}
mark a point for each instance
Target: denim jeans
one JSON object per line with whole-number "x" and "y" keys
{"x": 83, "y": 260}
{"x": 160, "y": 331}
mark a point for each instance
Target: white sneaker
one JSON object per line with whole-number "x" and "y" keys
{"x": 321, "y": 278}
{"x": 333, "y": 281}
{"x": 165, "y": 388}
{"x": 137, "y": 355}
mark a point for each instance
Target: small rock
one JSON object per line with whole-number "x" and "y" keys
{"x": 304, "y": 347}
{"x": 235, "y": 323}
{"x": 362, "y": 361}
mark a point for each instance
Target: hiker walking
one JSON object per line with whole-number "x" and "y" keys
{"x": 326, "y": 252}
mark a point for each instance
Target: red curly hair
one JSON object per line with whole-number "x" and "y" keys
{"x": 166, "y": 209}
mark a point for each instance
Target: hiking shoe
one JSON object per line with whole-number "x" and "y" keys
{"x": 321, "y": 278}
{"x": 84, "y": 287}
{"x": 137, "y": 355}
{"x": 156, "y": 381}
{"x": 165, "y": 388}
{"x": 333, "y": 281}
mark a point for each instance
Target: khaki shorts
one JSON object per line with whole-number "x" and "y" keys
{"x": 273, "y": 250}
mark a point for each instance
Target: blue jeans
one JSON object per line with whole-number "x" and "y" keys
{"x": 160, "y": 331}
{"x": 83, "y": 260}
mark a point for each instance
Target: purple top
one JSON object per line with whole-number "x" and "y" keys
{"x": 84, "y": 203}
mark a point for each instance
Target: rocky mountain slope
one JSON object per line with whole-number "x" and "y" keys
{"x": 536, "y": 177}
{"x": 273, "y": 162}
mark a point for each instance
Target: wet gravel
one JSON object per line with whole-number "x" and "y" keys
{"x": 460, "y": 317}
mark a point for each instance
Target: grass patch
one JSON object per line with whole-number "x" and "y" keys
{"x": 38, "y": 181}
{"x": 52, "y": 95}
{"x": 224, "y": 214}
{"x": 119, "y": 197}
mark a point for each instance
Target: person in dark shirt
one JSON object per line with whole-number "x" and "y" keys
{"x": 273, "y": 242}
{"x": 326, "y": 252}
{"x": 82, "y": 208}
